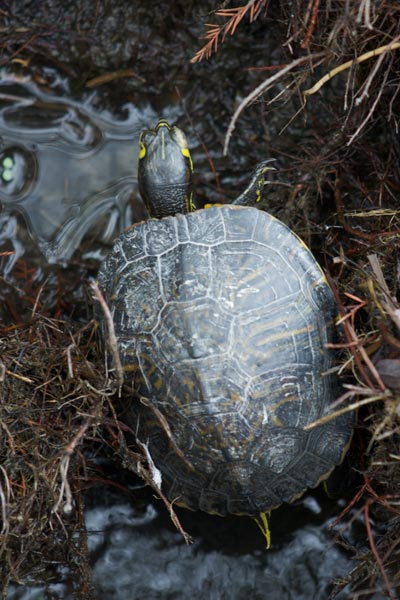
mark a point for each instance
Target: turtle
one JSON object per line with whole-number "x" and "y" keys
{"x": 223, "y": 320}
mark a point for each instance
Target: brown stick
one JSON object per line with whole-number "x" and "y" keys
{"x": 111, "y": 340}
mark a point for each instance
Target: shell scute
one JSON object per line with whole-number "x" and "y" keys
{"x": 222, "y": 319}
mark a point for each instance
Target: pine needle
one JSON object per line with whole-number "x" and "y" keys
{"x": 217, "y": 32}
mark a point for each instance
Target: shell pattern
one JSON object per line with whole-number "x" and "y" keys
{"x": 222, "y": 317}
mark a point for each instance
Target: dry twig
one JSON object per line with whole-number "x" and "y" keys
{"x": 350, "y": 63}
{"x": 259, "y": 90}
{"x": 111, "y": 338}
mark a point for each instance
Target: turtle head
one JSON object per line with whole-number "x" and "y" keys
{"x": 165, "y": 171}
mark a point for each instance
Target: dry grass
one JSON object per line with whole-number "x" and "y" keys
{"x": 49, "y": 405}
{"x": 342, "y": 57}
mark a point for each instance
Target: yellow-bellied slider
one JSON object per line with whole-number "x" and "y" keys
{"x": 222, "y": 317}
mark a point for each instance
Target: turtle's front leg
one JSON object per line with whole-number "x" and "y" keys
{"x": 252, "y": 194}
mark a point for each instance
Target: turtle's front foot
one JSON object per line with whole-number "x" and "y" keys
{"x": 252, "y": 194}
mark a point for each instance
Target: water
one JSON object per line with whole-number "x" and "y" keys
{"x": 65, "y": 165}
{"x": 136, "y": 553}
{"x": 130, "y": 561}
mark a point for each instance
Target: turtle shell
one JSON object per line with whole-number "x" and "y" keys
{"x": 222, "y": 318}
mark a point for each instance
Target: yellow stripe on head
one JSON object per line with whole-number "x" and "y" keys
{"x": 142, "y": 150}
{"x": 163, "y": 123}
{"x": 186, "y": 153}
{"x": 162, "y": 145}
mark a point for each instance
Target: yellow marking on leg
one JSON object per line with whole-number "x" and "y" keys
{"x": 190, "y": 205}
{"x": 262, "y": 522}
{"x": 260, "y": 187}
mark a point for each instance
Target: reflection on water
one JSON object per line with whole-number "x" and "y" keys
{"x": 162, "y": 566}
{"x": 63, "y": 164}
{"x": 137, "y": 554}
